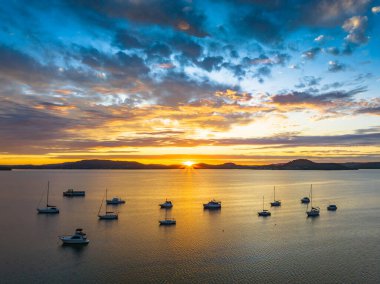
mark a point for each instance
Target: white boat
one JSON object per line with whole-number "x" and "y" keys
{"x": 115, "y": 201}
{"x": 264, "y": 212}
{"x": 314, "y": 211}
{"x": 79, "y": 238}
{"x": 275, "y": 203}
{"x": 332, "y": 207}
{"x": 49, "y": 209}
{"x": 213, "y": 204}
{"x": 108, "y": 215}
{"x": 167, "y": 204}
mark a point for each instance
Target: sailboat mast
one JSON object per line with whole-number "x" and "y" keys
{"x": 274, "y": 193}
{"x": 47, "y": 196}
{"x": 311, "y": 195}
{"x": 101, "y": 204}
{"x": 263, "y": 202}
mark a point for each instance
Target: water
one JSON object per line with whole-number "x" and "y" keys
{"x": 231, "y": 245}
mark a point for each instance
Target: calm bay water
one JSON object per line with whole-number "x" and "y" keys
{"x": 230, "y": 245}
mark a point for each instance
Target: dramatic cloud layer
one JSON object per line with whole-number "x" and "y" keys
{"x": 80, "y": 78}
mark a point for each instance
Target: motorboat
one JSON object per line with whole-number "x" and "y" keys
{"x": 49, "y": 209}
{"x": 264, "y": 212}
{"x": 332, "y": 207}
{"x": 107, "y": 215}
{"x": 167, "y": 204}
{"x": 115, "y": 201}
{"x": 275, "y": 203}
{"x": 213, "y": 204}
{"x": 71, "y": 193}
{"x": 168, "y": 222}
{"x": 314, "y": 211}
{"x": 78, "y": 238}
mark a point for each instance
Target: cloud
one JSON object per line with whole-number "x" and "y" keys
{"x": 356, "y": 27}
{"x": 311, "y": 53}
{"x": 335, "y": 66}
{"x": 375, "y": 9}
{"x": 324, "y": 101}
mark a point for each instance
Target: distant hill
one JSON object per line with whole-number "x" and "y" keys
{"x": 5, "y": 168}
{"x": 100, "y": 164}
{"x": 300, "y": 164}
{"x": 303, "y": 164}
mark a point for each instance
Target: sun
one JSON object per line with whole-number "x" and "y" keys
{"x": 188, "y": 163}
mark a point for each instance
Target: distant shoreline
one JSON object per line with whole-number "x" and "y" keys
{"x": 300, "y": 164}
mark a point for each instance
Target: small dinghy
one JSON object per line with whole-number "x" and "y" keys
{"x": 332, "y": 207}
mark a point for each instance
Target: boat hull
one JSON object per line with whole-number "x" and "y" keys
{"x": 108, "y": 217}
{"x": 47, "y": 211}
{"x": 208, "y": 206}
{"x": 110, "y": 202}
{"x": 74, "y": 194}
{"x": 264, "y": 214}
{"x": 167, "y": 223}
{"x": 275, "y": 204}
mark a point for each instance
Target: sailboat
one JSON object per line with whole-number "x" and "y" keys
{"x": 108, "y": 215}
{"x": 275, "y": 203}
{"x": 49, "y": 209}
{"x": 314, "y": 211}
{"x": 265, "y": 212}
{"x": 167, "y": 221}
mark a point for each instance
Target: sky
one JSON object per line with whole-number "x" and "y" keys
{"x": 165, "y": 81}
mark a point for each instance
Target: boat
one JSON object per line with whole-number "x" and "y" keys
{"x": 314, "y": 211}
{"x": 71, "y": 193}
{"x": 78, "y": 238}
{"x": 167, "y": 221}
{"x": 332, "y": 207}
{"x": 49, "y": 209}
{"x": 108, "y": 215}
{"x": 115, "y": 201}
{"x": 167, "y": 204}
{"x": 305, "y": 200}
{"x": 275, "y": 203}
{"x": 213, "y": 204}
{"x": 264, "y": 212}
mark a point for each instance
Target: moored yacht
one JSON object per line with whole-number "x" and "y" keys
{"x": 108, "y": 215}
{"x": 332, "y": 207}
{"x": 49, "y": 209}
{"x": 213, "y": 204}
{"x": 275, "y": 203}
{"x": 78, "y": 238}
{"x": 264, "y": 212}
{"x": 168, "y": 222}
{"x": 115, "y": 201}
{"x": 71, "y": 193}
{"x": 314, "y": 211}
{"x": 167, "y": 204}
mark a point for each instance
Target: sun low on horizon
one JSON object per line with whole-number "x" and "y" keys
{"x": 249, "y": 82}
{"x": 188, "y": 164}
